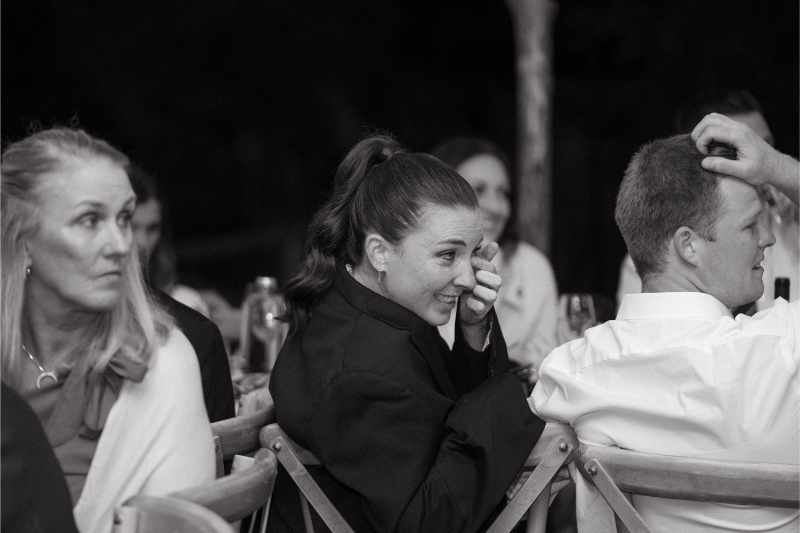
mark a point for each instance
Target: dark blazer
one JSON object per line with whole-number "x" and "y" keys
{"x": 412, "y": 436}
{"x": 215, "y": 370}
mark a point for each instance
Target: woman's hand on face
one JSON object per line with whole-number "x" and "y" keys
{"x": 475, "y": 304}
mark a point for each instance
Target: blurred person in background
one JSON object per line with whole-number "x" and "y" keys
{"x": 151, "y": 235}
{"x": 115, "y": 385}
{"x": 152, "y": 231}
{"x": 782, "y": 259}
{"x": 412, "y": 436}
{"x": 527, "y": 304}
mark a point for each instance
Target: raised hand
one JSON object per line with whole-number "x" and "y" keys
{"x": 756, "y": 161}
{"x": 475, "y": 304}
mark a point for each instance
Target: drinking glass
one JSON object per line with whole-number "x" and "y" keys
{"x": 580, "y": 312}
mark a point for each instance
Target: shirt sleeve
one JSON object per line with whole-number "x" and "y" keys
{"x": 185, "y": 444}
{"x": 556, "y": 396}
{"x": 469, "y": 368}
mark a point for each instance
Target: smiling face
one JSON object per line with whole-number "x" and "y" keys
{"x": 84, "y": 238}
{"x": 489, "y": 179}
{"x": 430, "y": 268}
{"x": 730, "y": 266}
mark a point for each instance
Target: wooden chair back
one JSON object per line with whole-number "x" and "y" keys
{"x": 146, "y": 514}
{"x": 553, "y": 450}
{"x": 239, "y": 435}
{"x": 618, "y": 473}
{"x": 294, "y": 459}
{"x": 239, "y": 494}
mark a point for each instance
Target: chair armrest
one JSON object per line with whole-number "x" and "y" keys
{"x": 238, "y": 495}
{"x": 239, "y": 435}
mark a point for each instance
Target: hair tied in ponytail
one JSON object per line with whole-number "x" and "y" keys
{"x": 389, "y": 149}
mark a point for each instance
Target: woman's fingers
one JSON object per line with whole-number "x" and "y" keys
{"x": 488, "y": 279}
{"x": 479, "y": 300}
{"x": 488, "y": 252}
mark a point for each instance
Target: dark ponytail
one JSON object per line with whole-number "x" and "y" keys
{"x": 379, "y": 187}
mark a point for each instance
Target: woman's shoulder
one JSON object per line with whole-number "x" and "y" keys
{"x": 527, "y": 265}
{"x": 174, "y": 358}
{"x": 530, "y": 256}
{"x": 190, "y": 298}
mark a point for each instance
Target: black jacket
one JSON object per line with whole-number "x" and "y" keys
{"x": 412, "y": 436}
{"x": 215, "y": 370}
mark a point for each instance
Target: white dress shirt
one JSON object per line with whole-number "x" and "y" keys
{"x": 675, "y": 374}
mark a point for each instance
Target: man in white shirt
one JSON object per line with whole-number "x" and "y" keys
{"x": 675, "y": 374}
{"x": 782, "y": 259}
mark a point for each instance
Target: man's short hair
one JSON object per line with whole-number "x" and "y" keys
{"x": 665, "y": 188}
{"x": 717, "y": 100}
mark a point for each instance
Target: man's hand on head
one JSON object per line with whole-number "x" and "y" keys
{"x": 756, "y": 161}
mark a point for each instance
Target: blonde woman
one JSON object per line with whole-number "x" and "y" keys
{"x": 115, "y": 385}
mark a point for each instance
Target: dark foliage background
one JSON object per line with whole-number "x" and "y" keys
{"x": 243, "y": 109}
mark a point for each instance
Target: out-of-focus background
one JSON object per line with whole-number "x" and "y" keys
{"x": 243, "y": 109}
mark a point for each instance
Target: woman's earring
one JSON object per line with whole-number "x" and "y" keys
{"x": 27, "y": 272}
{"x": 380, "y": 277}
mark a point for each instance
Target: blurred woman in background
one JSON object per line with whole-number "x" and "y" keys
{"x": 115, "y": 385}
{"x": 527, "y": 304}
{"x": 153, "y": 237}
{"x": 412, "y": 436}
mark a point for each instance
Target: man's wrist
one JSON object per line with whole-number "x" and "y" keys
{"x": 785, "y": 176}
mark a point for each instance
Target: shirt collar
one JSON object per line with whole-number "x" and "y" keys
{"x": 372, "y": 303}
{"x": 657, "y": 305}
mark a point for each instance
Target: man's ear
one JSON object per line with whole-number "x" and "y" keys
{"x": 688, "y": 245}
{"x": 376, "y": 249}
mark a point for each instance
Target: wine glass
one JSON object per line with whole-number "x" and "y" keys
{"x": 267, "y": 328}
{"x": 580, "y": 312}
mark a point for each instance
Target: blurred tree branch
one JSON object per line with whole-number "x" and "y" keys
{"x": 533, "y": 31}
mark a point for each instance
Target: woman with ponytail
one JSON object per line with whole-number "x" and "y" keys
{"x": 413, "y": 436}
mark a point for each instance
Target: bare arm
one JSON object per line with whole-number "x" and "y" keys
{"x": 757, "y": 162}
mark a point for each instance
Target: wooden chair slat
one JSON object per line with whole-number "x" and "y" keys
{"x": 537, "y": 514}
{"x": 293, "y": 458}
{"x": 770, "y": 485}
{"x": 618, "y": 502}
{"x": 239, "y": 435}
{"x": 543, "y": 474}
{"x": 555, "y": 448}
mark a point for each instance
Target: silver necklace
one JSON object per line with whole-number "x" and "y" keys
{"x": 44, "y": 373}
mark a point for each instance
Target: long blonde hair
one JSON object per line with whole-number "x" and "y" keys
{"x": 134, "y": 327}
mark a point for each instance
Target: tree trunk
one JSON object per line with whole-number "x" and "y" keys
{"x": 533, "y": 20}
